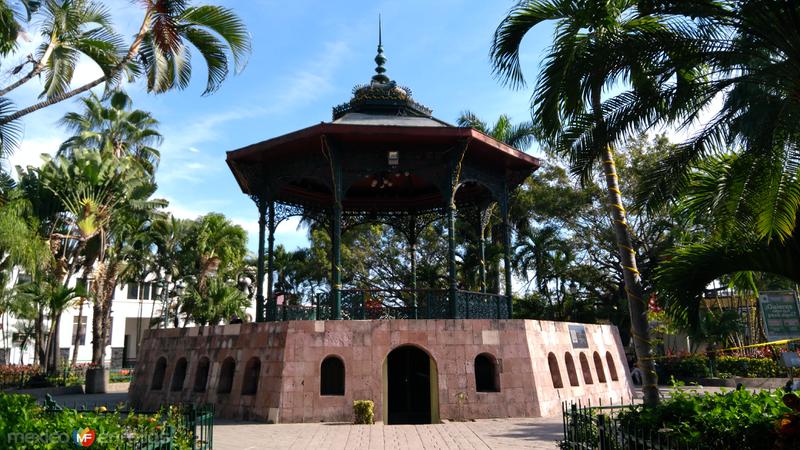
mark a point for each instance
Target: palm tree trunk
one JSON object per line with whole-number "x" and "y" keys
{"x": 78, "y": 335}
{"x": 37, "y": 69}
{"x": 39, "y": 343}
{"x": 637, "y": 305}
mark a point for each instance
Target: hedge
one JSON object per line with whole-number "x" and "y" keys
{"x": 697, "y": 366}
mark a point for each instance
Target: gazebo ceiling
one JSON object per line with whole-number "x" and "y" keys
{"x": 392, "y": 153}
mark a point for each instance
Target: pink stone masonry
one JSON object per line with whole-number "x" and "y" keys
{"x": 291, "y": 354}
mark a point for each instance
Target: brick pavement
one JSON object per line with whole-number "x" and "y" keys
{"x": 539, "y": 433}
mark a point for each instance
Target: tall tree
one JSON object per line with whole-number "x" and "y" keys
{"x": 596, "y": 44}
{"x": 116, "y": 129}
{"x": 160, "y": 51}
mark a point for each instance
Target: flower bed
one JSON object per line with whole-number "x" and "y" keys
{"x": 24, "y": 424}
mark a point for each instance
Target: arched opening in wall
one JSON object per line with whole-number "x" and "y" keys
{"x": 158, "y": 374}
{"x": 598, "y": 367}
{"x": 487, "y": 373}
{"x": 555, "y": 372}
{"x": 331, "y": 376}
{"x": 178, "y": 375}
{"x": 587, "y": 373}
{"x": 612, "y": 369}
{"x": 412, "y": 386}
{"x": 252, "y": 372}
{"x": 571, "y": 373}
{"x": 226, "y": 376}
{"x": 201, "y": 375}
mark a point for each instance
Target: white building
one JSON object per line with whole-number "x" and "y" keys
{"x": 131, "y": 315}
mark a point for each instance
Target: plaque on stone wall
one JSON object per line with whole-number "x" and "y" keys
{"x": 577, "y": 334}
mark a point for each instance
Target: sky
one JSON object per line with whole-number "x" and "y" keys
{"x": 306, "y": 58}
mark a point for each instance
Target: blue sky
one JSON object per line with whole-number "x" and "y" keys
{"x": 307, "y": 56}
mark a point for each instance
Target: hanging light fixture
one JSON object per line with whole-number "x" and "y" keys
{"x": 394, "y": 157}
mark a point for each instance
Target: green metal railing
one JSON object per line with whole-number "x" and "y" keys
{"x": 371, "y": 304}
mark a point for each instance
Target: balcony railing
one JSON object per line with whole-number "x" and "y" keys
{"x": 371, "y": 304}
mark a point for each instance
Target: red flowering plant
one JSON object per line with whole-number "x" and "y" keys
{"x": 16, "y": 375}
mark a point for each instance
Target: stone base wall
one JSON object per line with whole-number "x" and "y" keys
{"x": 291, "y": 353}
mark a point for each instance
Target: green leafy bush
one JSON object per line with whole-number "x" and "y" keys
{"x": 750, "y": 367}
{"x": 697, "y": 366}
{"x": 364, "y": 412}
{"x": 692, "y": 366}
{"x": 25, "y": 424}
{"x": 735, "y": 419}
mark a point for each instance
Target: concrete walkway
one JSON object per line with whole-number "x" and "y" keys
{"x": 540, "y": 433}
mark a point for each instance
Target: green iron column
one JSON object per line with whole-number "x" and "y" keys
{"x": 482, "y": 248}
{"x": 451, "y": 246}
{"x": 336, "y": 237}
{"x": 260, "y": 264}
{"x": 412, "y": 255}
{"x": 272, "y": 303}
{"x": 507, "y": 249}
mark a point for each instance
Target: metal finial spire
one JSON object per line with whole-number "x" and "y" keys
{"x": 380, "y": 60}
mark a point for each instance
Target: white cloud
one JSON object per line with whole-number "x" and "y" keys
{"x": 30, "y": 151}
{"x": 312, "y": 81}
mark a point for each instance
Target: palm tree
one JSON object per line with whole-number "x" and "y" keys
{"x": 543, "y": 252}
{"x": 70, "y": 29}
{"x": 596, "y": 44}
{"x": 11, "y": 14}
{"x": 116, "y": 129}
{"x": 104, "y": 200}
{"x": 160, "y": 50}
{"x": 214, "y": 245}
{"x": 220, "y": 301}
{"x": 719, "y": 207}
{"x": 752, "y": 66}
{"x": 519, "y": 136}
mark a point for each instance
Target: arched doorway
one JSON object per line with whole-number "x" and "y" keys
{"x": 411, "y": 378}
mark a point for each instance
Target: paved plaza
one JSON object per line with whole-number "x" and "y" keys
{"x": 540, "y": 433}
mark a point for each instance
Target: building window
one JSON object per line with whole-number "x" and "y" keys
{"x": 179, "y": 375}
{"x": 252, "y": 372}
{"x": 555, "y": 372}
{"x": 201, "y": 375}
{"x": 226, "y": 376}
{"x": 587, "y": 373}
{"x": 487, "y": 375}
{"x": 612, "y": 369}
{"x": 79, "y": 326}
{"x": 158, "y": 374}
{"x": 598, "y": 367}
{"x": 332, "y": 376}
{"x": 133, "y": 291}
{"x": 573, "y": 376}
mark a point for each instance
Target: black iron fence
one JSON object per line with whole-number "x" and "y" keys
{"x": 371, "y": 304}
{"x": 589, "y": 427}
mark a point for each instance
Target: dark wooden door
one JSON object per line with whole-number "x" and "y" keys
{"x": 409, "y": 386}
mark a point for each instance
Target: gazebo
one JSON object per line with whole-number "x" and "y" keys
{"x": 382, "y": 159}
